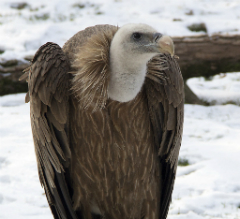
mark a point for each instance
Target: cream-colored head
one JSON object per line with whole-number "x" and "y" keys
{"x": 132, "y": 47}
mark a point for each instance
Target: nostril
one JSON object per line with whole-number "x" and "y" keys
{"x": 157, "y": 36}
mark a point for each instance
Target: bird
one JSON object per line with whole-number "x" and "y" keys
{"x": 106, "y": 114}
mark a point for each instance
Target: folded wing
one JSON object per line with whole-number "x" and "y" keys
{"x": 48, "y": 82}
{"x": 164, "y": 88}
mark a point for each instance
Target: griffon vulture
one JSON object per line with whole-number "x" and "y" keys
{"x": 107, "y": 120}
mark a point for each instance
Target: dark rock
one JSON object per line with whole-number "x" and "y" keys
{"x": 19, "y": 5}
{"x": 190, "y": 12}
{"x": 44, "y": 16}
{"x": 198, "y": 27}
{"x": 177, "y": 19}
{"x": 79, "y": 5}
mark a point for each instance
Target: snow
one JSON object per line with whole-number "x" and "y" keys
{"x": 209, "y": 186}
{"x": 21, "y": 195}
{"x": 206, "y": 188}
{"x": 221, "y": 89}
{"x": 22, "y": 32}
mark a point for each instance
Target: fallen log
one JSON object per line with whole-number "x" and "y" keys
{"x": 207, "y": 55}
{"x": 200, "y": 55}
{"x": 10, "y": 72}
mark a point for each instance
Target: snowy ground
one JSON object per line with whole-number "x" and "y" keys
{"x": 221, "y": 89}
{"x": 23, "y": 31}
{"x": 208, "y": 187}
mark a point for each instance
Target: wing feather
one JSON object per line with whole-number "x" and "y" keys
{"x": 164, "y": 88}
{"x": 48, "y": 94}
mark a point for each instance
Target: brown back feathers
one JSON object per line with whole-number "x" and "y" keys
{"x": 90, "y": 82}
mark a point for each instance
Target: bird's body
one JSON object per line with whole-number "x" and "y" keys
{"x": 106, "y": 143}
{"x": 110, "y": 167}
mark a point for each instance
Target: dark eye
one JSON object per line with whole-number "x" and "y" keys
{"x": 137, "y": 36}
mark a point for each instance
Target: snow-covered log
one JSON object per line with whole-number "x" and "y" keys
{"x": 206, "y": 56}
{"x": 200, "y": 55}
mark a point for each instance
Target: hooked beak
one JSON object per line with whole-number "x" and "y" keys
{"x": 164, "y": 44}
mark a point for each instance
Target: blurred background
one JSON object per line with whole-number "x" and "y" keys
{"x": 207, "y": 39}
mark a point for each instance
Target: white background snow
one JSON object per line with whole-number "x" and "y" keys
{"x": 209, "y": 187}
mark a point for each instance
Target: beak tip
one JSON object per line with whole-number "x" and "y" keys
{"x": 166, "y": 44}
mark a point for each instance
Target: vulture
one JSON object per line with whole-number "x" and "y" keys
{"x": 106, "y": 114}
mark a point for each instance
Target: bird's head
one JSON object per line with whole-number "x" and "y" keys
{"x": 132, "y": 47}
{"x": 141, "y": 40}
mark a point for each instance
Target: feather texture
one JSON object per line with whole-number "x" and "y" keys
{"x": 90, "y": 82}
{"x": 166, "y": 101}
{"x": 48, "y": 95}
{"x": 96, "y": 155}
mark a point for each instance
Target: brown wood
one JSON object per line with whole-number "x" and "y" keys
{"x": 191, "y": 97}
{"x": 9, "y": 76}
{"x": 207, "y": 55}
{"x": 201, "y": 55}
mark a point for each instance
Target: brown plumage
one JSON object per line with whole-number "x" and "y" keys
{"x": 95, "y": 155}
